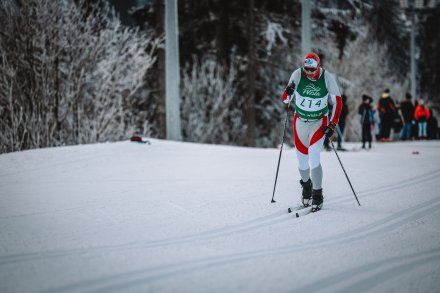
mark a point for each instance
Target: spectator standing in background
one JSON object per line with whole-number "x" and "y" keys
{"x": 432, "y": 127}
{"x": 422, "y": 115}
{"x": 397, "y": 122}
{"x": 387, "y": 110}
{"x": 367, "y": 119}
{"x": 341, "y": 123}
{"x": 407, "y": 110}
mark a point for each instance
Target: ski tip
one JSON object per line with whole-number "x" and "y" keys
{"x": 297, "y": 215}
{"x": 289, "y": 210}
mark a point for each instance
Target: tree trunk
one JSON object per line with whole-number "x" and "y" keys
{"x": 223, "y": 33}
{"x": 250, "y": 91}
{"x": 160, "y": 16}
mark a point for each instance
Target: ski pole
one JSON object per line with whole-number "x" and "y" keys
{"x": 281, "y": 150}
{"x": 343, "y": 169}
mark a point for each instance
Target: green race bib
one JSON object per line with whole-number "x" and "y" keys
{"x": 311, "y": 98}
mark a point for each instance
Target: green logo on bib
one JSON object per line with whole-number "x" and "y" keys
{"x": 311, "y": 90}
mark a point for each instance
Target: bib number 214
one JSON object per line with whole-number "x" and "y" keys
{"x": 311, "y": 103}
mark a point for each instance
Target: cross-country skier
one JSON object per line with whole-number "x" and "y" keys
{"x": 310, "y": 90}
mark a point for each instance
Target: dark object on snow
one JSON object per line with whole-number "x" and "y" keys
{"x": 138, "y": 139}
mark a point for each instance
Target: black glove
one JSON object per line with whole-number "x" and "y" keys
{"x": 290, "y": 89}
{"x": 329, "y": 130}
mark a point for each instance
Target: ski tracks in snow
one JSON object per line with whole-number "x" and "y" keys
{"x": 369, "y": 276}
{"x": 257, "y": 223}
{"x": 356, "y": 279}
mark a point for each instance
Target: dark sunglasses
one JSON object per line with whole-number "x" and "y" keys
{"x": 308, "y": 69}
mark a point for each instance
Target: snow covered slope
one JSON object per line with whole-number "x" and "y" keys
{"x": 180, "y": 217}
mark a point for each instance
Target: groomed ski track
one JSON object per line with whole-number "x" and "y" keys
{"x": 179, "y": 217}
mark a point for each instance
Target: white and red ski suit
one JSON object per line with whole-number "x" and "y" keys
{"x": 311, "y": 99}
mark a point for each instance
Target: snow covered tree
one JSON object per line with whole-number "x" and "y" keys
{"x": 210, "y": 107}
{"x": 429, "y": 65}
{"x": 69, "y": 71}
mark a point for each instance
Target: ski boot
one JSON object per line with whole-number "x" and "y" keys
{"x": 318, "y": 200}
{"x": 306, "y": 192}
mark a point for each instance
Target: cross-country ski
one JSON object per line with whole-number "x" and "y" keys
{"x": 300, "y": 211}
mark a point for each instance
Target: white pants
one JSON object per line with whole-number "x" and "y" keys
{"x": 309, "y": 140}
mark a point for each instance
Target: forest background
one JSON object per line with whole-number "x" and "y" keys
{"x": 77, "y": 72}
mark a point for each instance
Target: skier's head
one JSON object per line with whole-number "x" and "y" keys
{"x": 312, "y": 65}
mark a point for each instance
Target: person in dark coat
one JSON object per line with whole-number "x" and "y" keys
{"x": 367, "y": 119}
{"x": 341, "y": 123}
{"x": 432, "y": 127}
{"x": 387, "y": 111}
{"x": 407, "y": 110}
{"x": 397, "y": 122}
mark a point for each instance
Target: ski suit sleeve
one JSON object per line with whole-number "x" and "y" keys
{"x": 293, "y": 78}
{"x": 334, "y": 97}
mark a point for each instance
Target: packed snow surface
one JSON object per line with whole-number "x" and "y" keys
{"x": 182, "y": 217}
